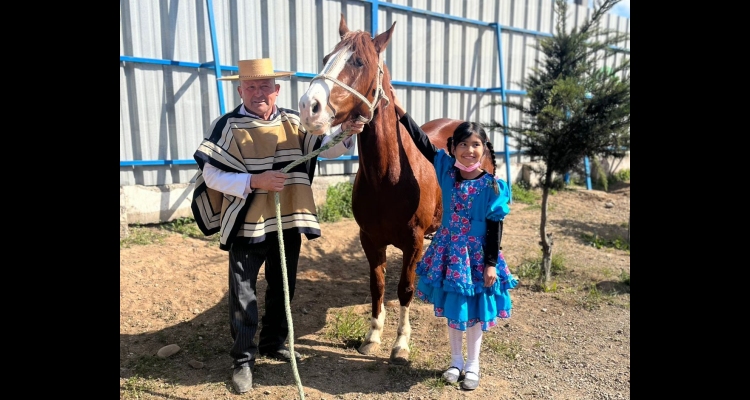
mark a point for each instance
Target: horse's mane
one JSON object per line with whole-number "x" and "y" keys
{"x": 359, "y": 42}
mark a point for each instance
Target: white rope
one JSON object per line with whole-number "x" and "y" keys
{"x": 380, "y": 93}
{"x": 280, "y": 235}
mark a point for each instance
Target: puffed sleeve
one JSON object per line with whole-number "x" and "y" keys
{"x": 499, "y": 202}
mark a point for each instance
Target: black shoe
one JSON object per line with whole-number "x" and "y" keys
{"x": 242, "y": 379}
{"x": 282, "y": 355}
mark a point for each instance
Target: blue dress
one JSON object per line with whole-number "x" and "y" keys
{"x": 451, "y": 270}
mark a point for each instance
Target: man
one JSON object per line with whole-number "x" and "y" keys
{"x": 240, "y": 163}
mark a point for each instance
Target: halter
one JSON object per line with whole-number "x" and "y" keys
{"x": 379, "y": 92}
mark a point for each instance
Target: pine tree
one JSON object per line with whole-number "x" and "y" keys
{"x": 574, "y": 108}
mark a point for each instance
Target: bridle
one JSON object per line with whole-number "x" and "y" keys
{"x": 379, "y": 92}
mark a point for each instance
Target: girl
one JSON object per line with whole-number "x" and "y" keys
{"x": 463, "y": 272}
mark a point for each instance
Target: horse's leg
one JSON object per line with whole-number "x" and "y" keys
{"x": 406, "y": 287}
{"x": 377, "y": 259}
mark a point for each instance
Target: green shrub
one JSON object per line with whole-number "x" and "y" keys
{"x": 532, "y": 268}
{"x": 522, "y": 194}
{"x": 338, "y": 203}
{"x": 347, "y": 327}
{"x": 184, "y": 226}
{"x": 622, "y": 175}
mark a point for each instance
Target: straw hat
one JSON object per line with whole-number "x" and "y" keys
{"x": 256, "y": 69}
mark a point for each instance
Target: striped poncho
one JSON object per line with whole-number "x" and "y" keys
{"x": 241, "y": 143}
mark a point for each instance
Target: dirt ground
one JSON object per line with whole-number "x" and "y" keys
{"x": 572, "y": 342}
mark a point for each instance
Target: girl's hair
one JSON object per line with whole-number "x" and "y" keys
{"x": 463, "y": 132}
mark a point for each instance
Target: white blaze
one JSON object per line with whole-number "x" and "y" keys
{"x": 315, "y": 114}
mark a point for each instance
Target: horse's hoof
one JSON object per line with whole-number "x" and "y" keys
{"x": 369, "y": 348}
{"x": 400, "y": 356}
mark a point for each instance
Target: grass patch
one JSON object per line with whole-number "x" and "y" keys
{"x": 594, "y": 298}
{"x": 624, "y": 278}
{"x": 550, "y": 287}
{"x": 599, "y": 242}
{"x": 435, "y": 383}
{"x": 338, "y": 203}
{"x": 523, "y": 194}
{"x": 149, "y": 366}
{"x": 185, "y": 226}
{"x": 348, "y": 327}
{"x": 506, "y": 348}
{"x": 532, "y": 269}
{"x": 135, "y": 387}
{"x": 141, "y": 235}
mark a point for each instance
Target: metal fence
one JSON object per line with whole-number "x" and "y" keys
{"x": 448, "y": 60}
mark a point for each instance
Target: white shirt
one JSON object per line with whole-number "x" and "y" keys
{"x": 238, "y": 183}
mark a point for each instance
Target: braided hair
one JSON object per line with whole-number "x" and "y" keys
{"x": 463, "y": 132}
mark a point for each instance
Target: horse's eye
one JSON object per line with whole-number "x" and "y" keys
{"x": 325, "y": 59}
{"x": 356, "y": 61}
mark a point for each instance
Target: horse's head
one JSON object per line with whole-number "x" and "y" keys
{"x": 350, "y": 85}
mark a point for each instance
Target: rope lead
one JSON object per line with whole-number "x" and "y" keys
{"x": 279, "y": 229}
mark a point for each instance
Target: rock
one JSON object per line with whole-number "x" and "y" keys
{"x": 168, "y": 350}
{"x": 609, "y": 204}
{"x": 195, "y": 364}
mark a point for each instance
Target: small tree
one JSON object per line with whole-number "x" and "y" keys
{"x": 574, "y": 108}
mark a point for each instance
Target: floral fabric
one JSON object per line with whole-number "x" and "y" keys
{"x": 451, "y": 273}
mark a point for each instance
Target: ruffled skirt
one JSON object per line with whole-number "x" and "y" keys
{"x": 451, "y": 277}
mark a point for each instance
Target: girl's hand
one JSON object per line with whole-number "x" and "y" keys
{"x": 490, "y": 275}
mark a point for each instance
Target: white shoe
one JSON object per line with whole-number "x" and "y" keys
{"x": 451, "y": 374}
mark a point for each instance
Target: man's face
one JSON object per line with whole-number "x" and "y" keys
{"x": 259, "y": 96}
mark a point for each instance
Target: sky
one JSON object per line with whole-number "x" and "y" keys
{"x": 622, "y": 8}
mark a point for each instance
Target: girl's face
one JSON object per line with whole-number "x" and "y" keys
{"x": 470, "y": 151}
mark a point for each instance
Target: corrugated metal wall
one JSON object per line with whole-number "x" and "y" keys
{"x": 169, "y": 93}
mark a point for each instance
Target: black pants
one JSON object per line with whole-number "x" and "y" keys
{"x": 244, "y": 264}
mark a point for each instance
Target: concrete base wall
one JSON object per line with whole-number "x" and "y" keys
{"x": 155, "y": 204}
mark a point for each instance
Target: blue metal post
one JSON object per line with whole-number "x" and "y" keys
{"x": 586, "y": 159}
{"x": 374, "y": 16}
{"x": 217, "y": 65}
{"x": 499, "y": 39}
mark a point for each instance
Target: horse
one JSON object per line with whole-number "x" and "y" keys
{"x": 396, "y": 199}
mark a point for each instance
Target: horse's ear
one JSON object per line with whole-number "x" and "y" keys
{"x": 381, "y": 41}
{"x": 343, "y": 29}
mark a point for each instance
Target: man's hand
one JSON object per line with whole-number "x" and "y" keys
{"x": 352, "y": 127}
{"x": 273, "y": 181}
{"x": 490, "y": 275}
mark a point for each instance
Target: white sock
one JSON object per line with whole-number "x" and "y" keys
{"x": 456, "y": 340}
{"x": 473, "y": 346}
